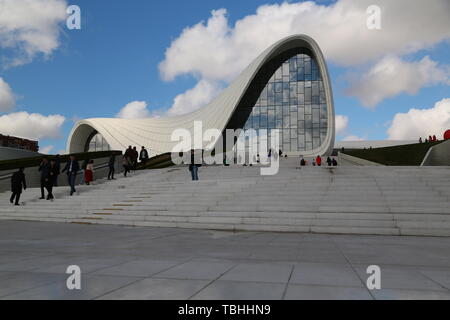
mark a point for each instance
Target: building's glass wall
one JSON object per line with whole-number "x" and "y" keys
{"x": 294, "y": 102}
{"x": 98, "y": 143}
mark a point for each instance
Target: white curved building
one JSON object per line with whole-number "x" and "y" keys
{"x": 287, "y": 87}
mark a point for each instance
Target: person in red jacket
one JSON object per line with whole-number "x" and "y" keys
{"x": 319, "y": 161}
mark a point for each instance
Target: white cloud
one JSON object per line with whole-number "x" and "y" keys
{"x": 195, "y": 98}
{"x": 46, "y": 150}
{"x": 341, "y": 124}
{"x": 29, "y": 27}
{"x": 134, "y": 110}
{"x": 7, "y": 98}
{"x": 392, "y": 76}
{"x": 421, "y": 122}
{"x": 217, "y": 50}
{"x": 32, "y": 126}
{"x": 354, "y": 138}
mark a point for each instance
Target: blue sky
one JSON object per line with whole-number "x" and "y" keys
{"x": 113, "y": 60}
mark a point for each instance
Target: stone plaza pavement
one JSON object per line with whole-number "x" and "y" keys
{"x": 163, "y": 263}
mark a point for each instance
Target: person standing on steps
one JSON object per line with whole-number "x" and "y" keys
{"x": 193, "y": 167}
{"x": 143, "y": 156}
{"x": 329, "y": 161}
{"x": 112, "y": 168}
{"x": 89, "y": 173}
{"x": 44, "y": 168}
{"x": 72, "y": 168}
{"x": 17, "y": 183}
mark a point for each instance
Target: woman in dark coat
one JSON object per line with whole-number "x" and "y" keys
{"x": 17, "y": 182}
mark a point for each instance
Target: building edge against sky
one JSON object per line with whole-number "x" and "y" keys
{"x": 308, "y": 112}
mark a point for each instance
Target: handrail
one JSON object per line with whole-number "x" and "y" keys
{"x": 100, "y": 166}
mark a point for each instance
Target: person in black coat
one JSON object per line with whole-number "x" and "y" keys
{"x": 72, "y": 167}
{"x": 143, "y": 156}
{"x": 51, "y": 179}
{"x": 44, "y": 169}
{"x": 17, "y": 183}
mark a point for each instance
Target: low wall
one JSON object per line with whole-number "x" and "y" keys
{"x": 355, "y": 161}
{"x": 10, "y": 153}
{"x": 438, "y": 155}
{"x": 32, "y": 174}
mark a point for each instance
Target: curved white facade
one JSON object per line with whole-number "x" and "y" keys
{"x": 155, "y": 134}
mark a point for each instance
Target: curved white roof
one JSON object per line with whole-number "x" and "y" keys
{"x": 155, "y": 133}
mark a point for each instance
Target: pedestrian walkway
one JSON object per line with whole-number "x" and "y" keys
{"x": 166, "y": 263}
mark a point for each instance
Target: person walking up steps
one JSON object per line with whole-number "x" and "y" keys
{"x": 17, "y": 183}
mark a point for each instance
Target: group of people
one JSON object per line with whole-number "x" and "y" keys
{"x": 130, "y": 159}
{"x": 50, "y": 169}
{"x": 332, "y": 162}
{"x": 429, "y": 139}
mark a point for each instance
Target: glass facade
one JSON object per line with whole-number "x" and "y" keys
{"x": 98, "y": 143}
{"x": 294, "y": 102}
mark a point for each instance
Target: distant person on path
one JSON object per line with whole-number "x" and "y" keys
{"x": 335, "y": 164}
{"x": 319, "y": 161}
{"x": 143, "y": 156}
{"x": 112, "y": 168}
{"x": 44, "y": 168}
{"x": 420, "y": 140}
{"x": 89, "y": 173}
{"x": 72, "y": 167}
{"x": 17, "y": 183}
{"x": 434, "y": 138}
{"x": 193, "y": 167}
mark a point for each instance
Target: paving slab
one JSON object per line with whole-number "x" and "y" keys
{"x": 157, "y": 289}
{"x": 236, "y": 290}
{"x": 309, "y": 292}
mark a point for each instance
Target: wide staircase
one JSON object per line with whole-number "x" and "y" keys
{"x": 340, "y": 200}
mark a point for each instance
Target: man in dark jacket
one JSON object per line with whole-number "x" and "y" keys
{"x": 44, "y": 169}
{"x": 143, "y": 156}
{"x": 72, "y": 168}
{"x": 17, "y": 182}
{"x": 51, "y": 179}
